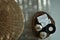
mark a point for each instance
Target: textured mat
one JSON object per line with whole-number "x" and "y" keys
{"x": 11, "y": 20}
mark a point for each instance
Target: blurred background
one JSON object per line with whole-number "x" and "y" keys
{"x": 30, "y": 7}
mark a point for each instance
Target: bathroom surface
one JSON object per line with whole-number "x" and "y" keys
{"x": 29, "y": 7}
